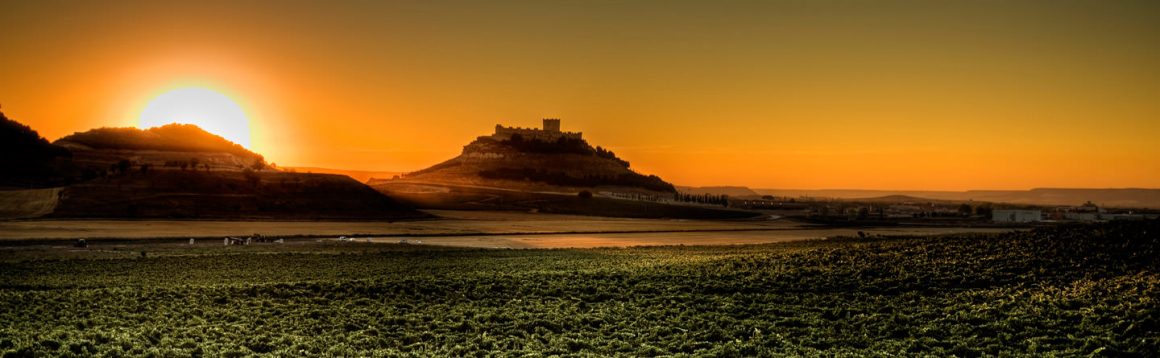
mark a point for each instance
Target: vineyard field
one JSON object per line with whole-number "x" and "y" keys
{"x": 1069, "y": 291}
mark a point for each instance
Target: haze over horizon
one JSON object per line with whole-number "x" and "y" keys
{"x": 899, "y": 95}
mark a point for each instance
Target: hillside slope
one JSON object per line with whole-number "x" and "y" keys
{"x": 238, "y": 195}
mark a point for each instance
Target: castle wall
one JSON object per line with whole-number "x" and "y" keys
{"x": 504, "y": 133}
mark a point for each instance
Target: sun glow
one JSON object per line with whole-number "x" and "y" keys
{"x": 212, "y": 111}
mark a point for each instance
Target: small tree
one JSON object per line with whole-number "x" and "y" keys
{"x": 965, "y": 210}
{"x": 253, "y": 177}
{"x": 124, "y": 166}
{"x": 983, "y": 210}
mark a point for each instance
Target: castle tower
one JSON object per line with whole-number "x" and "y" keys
{"x": 551, "y": 125}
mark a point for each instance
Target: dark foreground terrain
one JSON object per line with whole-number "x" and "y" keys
{"x": 459, "y": 197}
{"x": 1072, "y": 291}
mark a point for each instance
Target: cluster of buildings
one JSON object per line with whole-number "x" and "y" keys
{"x": 1085, "y": 212}
{"x": 917, "y": 210}
{"x": 900, "y": 211}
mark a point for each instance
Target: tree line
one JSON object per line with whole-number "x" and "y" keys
{"x": 722, "y": 200}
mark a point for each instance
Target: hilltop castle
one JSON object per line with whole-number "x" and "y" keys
{"x": 551, "y": 132}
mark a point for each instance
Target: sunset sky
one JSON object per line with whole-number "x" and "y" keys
{"x": 928, "y": 95}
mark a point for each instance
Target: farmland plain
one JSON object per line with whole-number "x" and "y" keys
{"x": 1070, "y": 291}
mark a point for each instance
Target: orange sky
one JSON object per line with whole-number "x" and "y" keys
{"x": 932, "y": 95}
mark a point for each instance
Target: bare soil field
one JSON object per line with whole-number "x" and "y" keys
{"x": 443, "y": 196}
{"x": 19, "y": 204}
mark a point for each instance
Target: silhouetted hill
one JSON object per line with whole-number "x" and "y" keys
{"x": 174, "y": 145}
{"x": 170, "y": 137}
{"x": 21, "y": 143}
{"x": 26, "y": 158}
{"x": 537, "y": 165}
{"x": 182, "y": 172}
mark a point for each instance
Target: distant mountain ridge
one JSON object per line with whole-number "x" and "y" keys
{"x": 1128, "y": 197}
{"x": 1113, "y": 197}
{"x": 717, "y": 190}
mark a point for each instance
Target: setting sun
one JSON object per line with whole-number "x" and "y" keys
{"x": 204, "y": 108}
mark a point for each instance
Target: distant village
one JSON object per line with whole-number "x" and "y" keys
{"x": 1085, "y": 212}
{"x": 831, "y": 209}
{"x": 854, "y": 210}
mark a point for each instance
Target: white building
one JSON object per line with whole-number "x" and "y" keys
{"x": 1016, "y": 216}
{"x": 1085, "y": 212}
